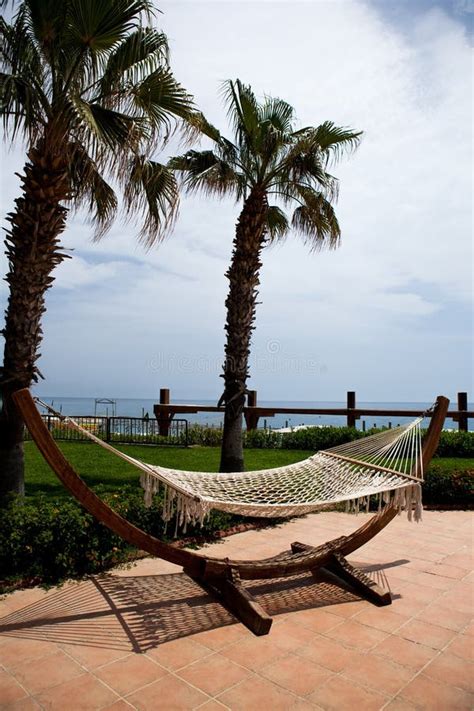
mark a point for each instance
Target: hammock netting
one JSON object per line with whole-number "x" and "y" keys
{"x": 387, "y": 465}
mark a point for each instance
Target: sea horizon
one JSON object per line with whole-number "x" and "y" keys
{"x": 139, "y": 407}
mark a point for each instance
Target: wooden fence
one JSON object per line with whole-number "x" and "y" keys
{"x": 165, "y": 411}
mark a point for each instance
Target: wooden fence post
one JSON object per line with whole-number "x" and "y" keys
{"x": 164, "y": 418}
{"x": 251, "y": 418}
{"x": 351, "y": 403}
{"x": 462, "y": 405}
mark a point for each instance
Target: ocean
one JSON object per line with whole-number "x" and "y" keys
{"x": 138, "y": 407}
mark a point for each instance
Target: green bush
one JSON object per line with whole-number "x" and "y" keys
{"x": 204, "y": 436}
{"x": 456, "y": 444}
{"x": 47, "y": 541}
{"x": 448, "y": 487}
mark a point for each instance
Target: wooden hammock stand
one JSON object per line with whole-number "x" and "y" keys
{"x": 222, "y": 579}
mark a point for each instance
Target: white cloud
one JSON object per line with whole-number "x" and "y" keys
{"x": 397, "y": 289}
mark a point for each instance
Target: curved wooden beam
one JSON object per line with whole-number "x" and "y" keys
{"x": 195, "y": 564}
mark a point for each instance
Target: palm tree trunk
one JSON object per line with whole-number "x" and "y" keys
{"x": 243, "y": 275}
{"x": 32, "y": 248}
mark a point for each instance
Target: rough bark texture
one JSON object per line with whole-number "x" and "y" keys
{"x": 32, "y": 248}
{"x": 243, "y": 276}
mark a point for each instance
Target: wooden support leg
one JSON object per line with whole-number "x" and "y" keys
{"x": 236, "y": 598}
{"x": 339, "y": 565}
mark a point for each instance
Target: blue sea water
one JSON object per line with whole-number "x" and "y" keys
{"x": 138, "y": 407}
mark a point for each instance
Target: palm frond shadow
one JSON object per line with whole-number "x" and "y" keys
{"x": 137, "y": 613}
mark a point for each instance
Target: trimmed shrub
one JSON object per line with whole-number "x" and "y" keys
{"x": 48, "y": 541}
{"x": 456, "y": 444}
{"x": 444, "y": 487}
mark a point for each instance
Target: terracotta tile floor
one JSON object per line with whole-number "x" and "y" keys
{"x": 149, "y": 638}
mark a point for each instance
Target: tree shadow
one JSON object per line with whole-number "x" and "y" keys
{"x": 137, "y": 613}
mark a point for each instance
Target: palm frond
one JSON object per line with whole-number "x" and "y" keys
{"x": 242, "y": 110}
{"x": 277, "y": 223}
{"x": 278, "y": 113}
{"x": 104, "y": 126}
{"x": 91, "y": 190}
{"x": 150, "y": 189}
{"x": 142, "y": 52}
{"x": 19, "y": 106}
{"x": 333, "y": 141}
{"x": 160, "y": 98}
{"x": 316, "y": 221}
{"x": 206, "y": 172}
{"x": 99, "y": 25}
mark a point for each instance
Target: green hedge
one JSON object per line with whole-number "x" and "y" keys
{"x": 456, "y": 444}
{"x": 47, "y": 542}
{"x": 453, "y": 487}
{"x": 451, "y": 444}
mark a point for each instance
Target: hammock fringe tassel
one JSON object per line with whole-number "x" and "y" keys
{"x": 188, "y": 510}
{"x": 408, "y": 498}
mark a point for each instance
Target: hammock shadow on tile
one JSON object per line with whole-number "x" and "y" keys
{"x": 137, "y": 613}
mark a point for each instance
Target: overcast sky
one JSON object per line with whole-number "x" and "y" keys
{"x": 389, "y": 313}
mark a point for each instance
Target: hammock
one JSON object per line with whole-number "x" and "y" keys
{"x": 387, "y": 465}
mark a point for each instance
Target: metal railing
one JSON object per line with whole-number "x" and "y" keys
{"x": 120, "y": 430}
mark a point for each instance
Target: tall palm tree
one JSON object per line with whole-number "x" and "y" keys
{"x": 87, "y": 86}
{"x": 270, "y": 167}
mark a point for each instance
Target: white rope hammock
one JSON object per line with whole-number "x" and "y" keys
{"x": 387, "y": 465}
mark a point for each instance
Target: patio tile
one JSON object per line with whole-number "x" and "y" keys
{"x": 26, "y": 704}
{"x": 353, "y": 634}
{"x": 444, "y": 616}
{"x": 381, "y": 618}
{"x": 131, "y": 673}
{"x": 460, "y": 560}
{"x": 426, "y": 693}
{"x": 328, "y": 653}
{"x": 452, "y": 670}
{"x": 255, "y": 693}
{"x": 379, "y": 673}
{"x": 405, "y": 652}
{"x": 18, "y": 651}
{"x": 222, "y": 636}
{"x": 120, "y": 705}
{"x": 212, "y": 705}
{"x": 463, "y": 646}
{"x": 85, "y": 692}
{"x": 340, "y": 694}
{"x": 399, "y": 704}
{"x": 214, "y": 674}
{"x": 348, "y": 609}
{"x": 255, "y": 652}
{"x": 290, "y": 636}
{"x": 178, "y": 653}
{"x": 50, "y": 671}
{"x": 316, "y": 619}
{"x": 469, "y": 630}
{"x": 447, "y": 571}
{"x": 93, "y": 657}
{"x": 425, "y": 633}
{"x": 177, "y": 694}
{"x": 10, "y": 689}
{"x": 297, "y": 674}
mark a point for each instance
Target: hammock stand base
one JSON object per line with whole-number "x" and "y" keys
{"x": 227, "y": 587}
{"x": 222, "y": 579}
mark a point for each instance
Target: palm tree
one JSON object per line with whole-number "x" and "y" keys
{"x": 88, "y": 87}
{"x": 269, "y": 166}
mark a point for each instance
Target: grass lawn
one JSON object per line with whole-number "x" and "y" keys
{"x": 97, "y": 466}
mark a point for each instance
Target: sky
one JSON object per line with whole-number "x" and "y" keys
{"x": 388, "y": 314}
